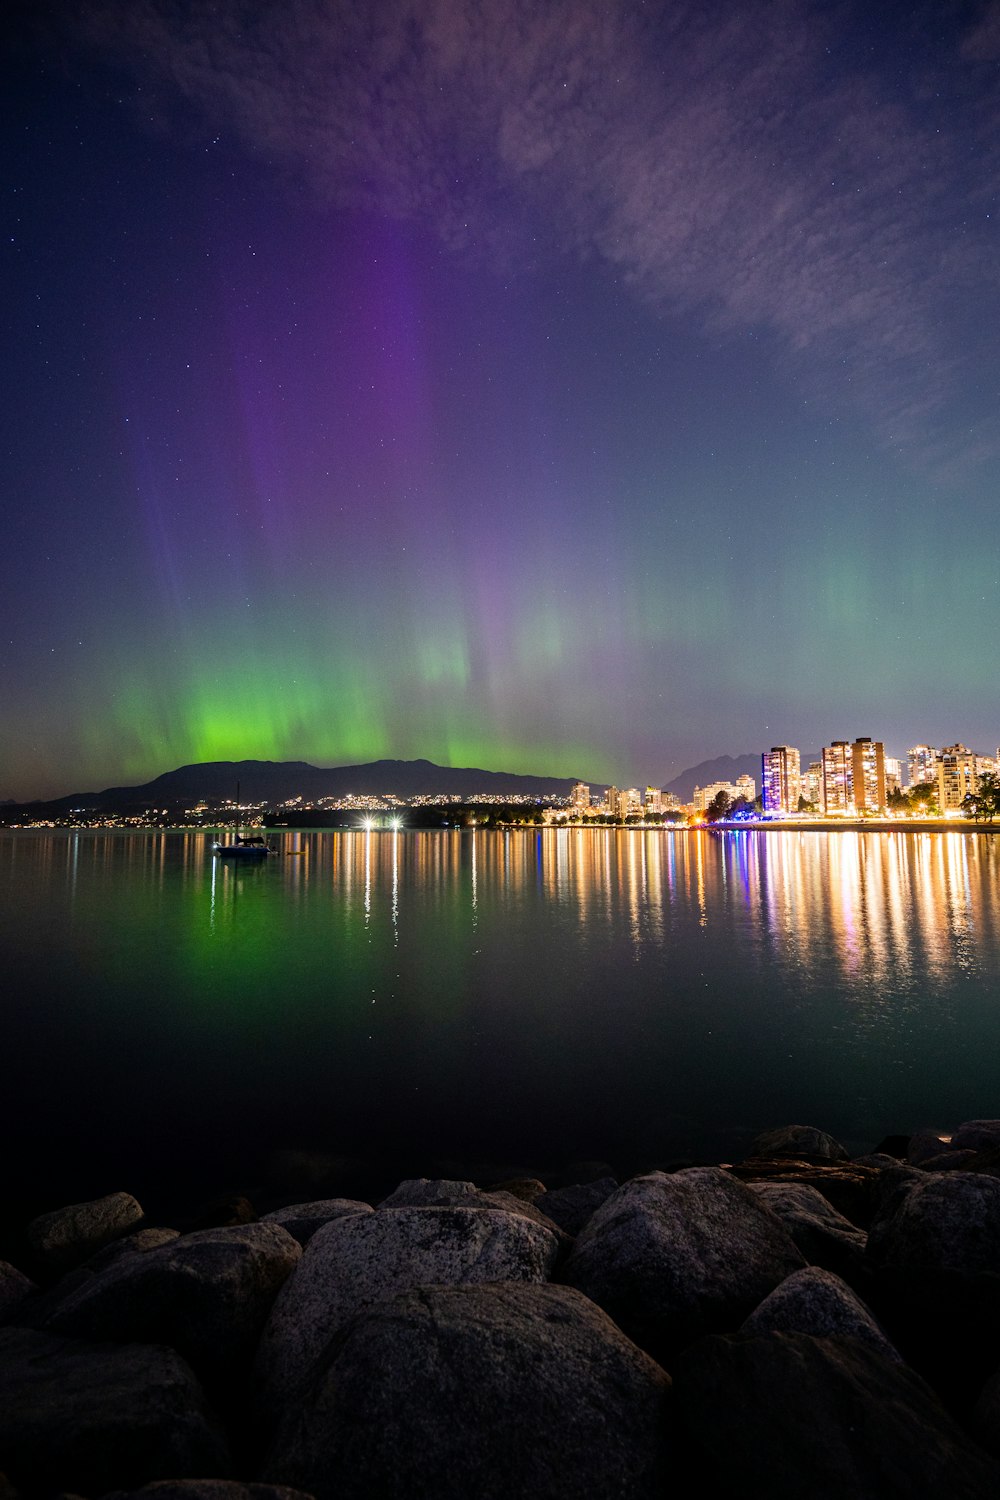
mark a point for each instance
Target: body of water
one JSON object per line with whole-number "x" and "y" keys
{"x": 524, "y": 999}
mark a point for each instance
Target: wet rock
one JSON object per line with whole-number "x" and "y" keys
{"x": 853, "y": 1189}
{"x": 69, "y": 1235}
{"x": 303, "y": 1219}
{"x": 94, "y": 1417}
{"x": 492, "y": 1392}
{"x": 671, "y": 1257}
{"x": 356, "y": 1261}
{"x": 942, "y": 1222}
{"x": 816, "y": 1302}
{"x": 825, "y": 1237}
{"x": 205, "y": 1294}
{"x": 571, "y": 1207}
{"x": 798, "y": 1142}
{"x": 787, "y": 1416}
{"x": 14, "y": 1288}
{"x": 977, "y": 1135}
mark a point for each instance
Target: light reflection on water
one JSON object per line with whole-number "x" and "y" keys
{"x": 525, "y": 994}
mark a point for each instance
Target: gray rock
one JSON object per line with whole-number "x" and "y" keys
{"x": 947, "y": 1221}
{"x": 571, "y": 1207}
{"x": 825, "y": 1237}
{"x": 924, "y": 1144}
{"x": 132, "y": 1244}
{"x": 493, "y": 1392}
{"x": 977, "y": 1135}
{"x": 14, "y": 1287}
{"x": 93, "y": 1417}
{"x": 797, "y": 1141}
{"x": 879, "y": 1159}
{"x": 429, "y": 1192}
{"x": 816, "y": 1302}
{"x": 303, "y": 1219}
{"x": 356, "y": 1261}
{"x": 853, "y": 1189}
{"x": 69, "y": 1235}
{"x": 205, "y": 1294}
{"x": 671, "y": 1257}
{"x": 949, "y": 1161}
{"x": 208, "y": 1489}
{"x": 787, "y": 1416}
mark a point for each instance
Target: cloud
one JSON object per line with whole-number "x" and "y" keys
{"x": 770, "y": 166}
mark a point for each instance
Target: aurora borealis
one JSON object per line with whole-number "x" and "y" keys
{"x": 583, "y": 389}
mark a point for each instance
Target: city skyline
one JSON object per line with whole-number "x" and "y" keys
{"x": 572, "y": 391}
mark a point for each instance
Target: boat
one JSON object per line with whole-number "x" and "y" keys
{"x": 242, "y": 848}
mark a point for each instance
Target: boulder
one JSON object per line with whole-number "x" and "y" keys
{"x": 68, "y": 1236}
{"x": 14, "y": 1287}
{"x": 303, "y": 1219}
{"x": 852, "y": 1188}
{"x": 671, "y": 1257}
{"x": 825, "y": 1237}
{"x": 93, "y": 1417}
{"x": 205, "y": 1294}
{"x": 489, "y": 1391}
{"x": 528, "y": 1189}
{"x": 950, "y": 1161}
{"x": 132, "y": 1244}
{"x": 817, "y": 1302}
{"x": 358, "y": 1260}
{"x": 924, "y": 1144}
{"x": 571, "y": 1207}
{"x": 977, "y": 1135}
{"x": 429, "y": 1192}
{"x": 947, "y": 1221}
{"x": 787, "y": 1416}
{"x": 797, "y": 1141}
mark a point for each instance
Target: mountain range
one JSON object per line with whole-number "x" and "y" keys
{"x": 279, "y": 781}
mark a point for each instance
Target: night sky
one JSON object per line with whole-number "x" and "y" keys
{"x": 576, "y": 388}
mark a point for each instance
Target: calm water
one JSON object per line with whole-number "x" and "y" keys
{"x": 523, "y": 999}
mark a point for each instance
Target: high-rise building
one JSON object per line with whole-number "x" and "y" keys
{"x": 956, "y": 776}
{"x": 780, "y": 779}
{"x": 812, "y": 783}
{"x": 746, "y": 787}
{"x": 922, "y": 761}
{"x": 838, "y": 777}
{"x": 868, "y": 775}
{"x": 893, "y": 774}
{"x": 654, "y": 799}
{"x": 579, "y": 797}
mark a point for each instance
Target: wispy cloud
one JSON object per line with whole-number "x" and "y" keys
{"x": 754, "y": 164}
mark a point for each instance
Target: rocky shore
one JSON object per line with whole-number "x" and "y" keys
{"x": 799, "y": 1324}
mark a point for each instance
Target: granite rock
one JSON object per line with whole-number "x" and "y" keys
{"x": 788, "y": 1416}
{"x": 69, "y": 1235}
{"x": 825, "y": 1237}
{"x": 941, "y": 1222}
{"x": 799, "y": 1142}
{"x": 671, "y": 1257}
{"x": 93, "y": 1417}
{"x": 303, "y": 1219}
{"x": 444, "y": 1393}
{"x": 852, "y": 1188}
{"x": 355, "y": 1261}
{"x": 815, "y": 1301}
{"x": 430, "y": 1192}
{"x": 977, "y": 1135}
{"x": 571, "y": 1207}
{"x": 205, "y": 1294}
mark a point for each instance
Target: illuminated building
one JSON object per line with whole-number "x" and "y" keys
{"x": 780, "y": 779}
{"x": 893, "y": 774}
{"x": 923, "y": 761}
{"x": 580, "y": 796}
{"x": 838, "y": 777}
{"x": 956, "y": 776}
{"x": 654, "y": 799}
{"x": 868, "y": 775}
{"x": 705, "y": 795}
